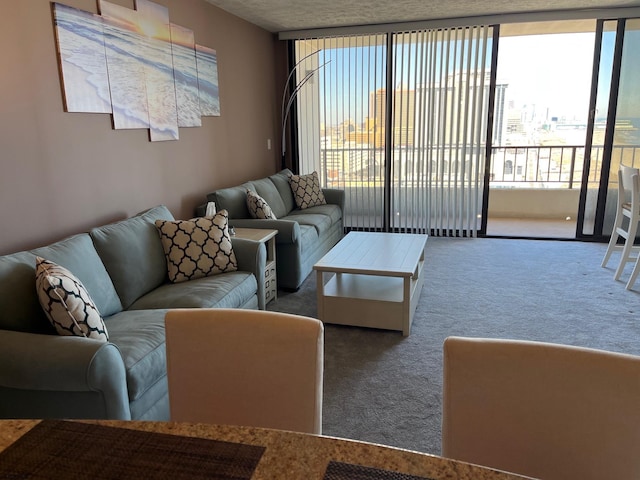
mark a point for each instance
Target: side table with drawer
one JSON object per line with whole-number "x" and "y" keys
{"x": 268, "y": 237}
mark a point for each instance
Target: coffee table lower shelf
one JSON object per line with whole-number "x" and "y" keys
{"x": 369, "y": 301}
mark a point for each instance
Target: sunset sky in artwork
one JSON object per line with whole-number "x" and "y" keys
{"x": 154, "y": 20}
{"x": 149, "y": 19}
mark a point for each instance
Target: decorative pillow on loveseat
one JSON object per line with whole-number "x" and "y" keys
{"x": 67, "y": 303}
{"x": 197, "y": 248}
{"x": 306, "y": 190}
{"x": 258, "y": 207}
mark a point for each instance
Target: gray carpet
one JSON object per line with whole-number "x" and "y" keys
{"x": 384, "y": 388}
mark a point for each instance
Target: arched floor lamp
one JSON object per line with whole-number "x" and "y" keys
{"x": 287, "y": 102}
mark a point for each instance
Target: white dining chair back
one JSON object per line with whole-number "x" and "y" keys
{"x": 245, "y": 367}
{"x": 626, "y": 221}
{"x": 544, "y": 410}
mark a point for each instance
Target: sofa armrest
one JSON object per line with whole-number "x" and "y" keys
{"x": 200, "y": 210}
{"x": 40, "y": 367}
{"x": 334, "y": 196}
{"x": 252, "y": 257}
{"x": 288, "y": 230}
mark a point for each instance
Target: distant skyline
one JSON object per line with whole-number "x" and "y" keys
{"x": 552, "y": 72}
{"x": 547, "y": 79}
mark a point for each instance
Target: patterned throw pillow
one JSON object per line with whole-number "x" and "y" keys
{"x": 306, "y": 190}
{"x": 197, "y": 248}
{"x": 67, "y": 303}
{"x": 258, "y": 207}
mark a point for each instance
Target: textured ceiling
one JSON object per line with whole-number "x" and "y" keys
{"x": 283, "y": 15}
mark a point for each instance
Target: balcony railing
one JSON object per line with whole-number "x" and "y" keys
{"x": 542, "y": 166}
{"x": 526, "y": 181}
{"x": 557, "y": 166}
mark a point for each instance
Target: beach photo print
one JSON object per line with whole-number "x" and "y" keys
{"x": 137, "y": 66}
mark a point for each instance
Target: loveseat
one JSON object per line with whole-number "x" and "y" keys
{"x": 304, "y": 235}
{"x": 124, "y": 269}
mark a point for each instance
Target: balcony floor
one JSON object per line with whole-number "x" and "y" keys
{"x": 531, "y": 228}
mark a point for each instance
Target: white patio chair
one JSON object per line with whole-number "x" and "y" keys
{"x": 626, "y": 222}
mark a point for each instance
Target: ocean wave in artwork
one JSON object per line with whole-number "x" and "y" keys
{"x": 82, "y": 60}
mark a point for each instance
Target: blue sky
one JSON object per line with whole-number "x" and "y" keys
{"x": 551, "y": 71}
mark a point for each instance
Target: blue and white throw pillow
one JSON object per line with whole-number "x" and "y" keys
{"x": 306, "y": 190}
{"x": 66, "y": 302}
{"x": 258, "y": 207}
{"x": 197, "y": 248}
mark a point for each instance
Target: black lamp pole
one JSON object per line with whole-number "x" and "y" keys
{"x": 288, "y": 101}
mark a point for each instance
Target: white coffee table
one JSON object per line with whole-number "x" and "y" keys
{"x": 377, "y": 282}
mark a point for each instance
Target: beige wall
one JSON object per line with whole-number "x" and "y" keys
{"x": 62, "y": 173}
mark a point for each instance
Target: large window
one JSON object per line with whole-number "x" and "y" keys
{"x": 399, "y": 122}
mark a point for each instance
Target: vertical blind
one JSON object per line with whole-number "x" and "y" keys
{"x": 428, "y": 134}
{"x": 337, "y": 132}
{"x": 441, "y": 101}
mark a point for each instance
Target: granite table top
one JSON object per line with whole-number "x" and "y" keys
{"x": 289, "y": 455}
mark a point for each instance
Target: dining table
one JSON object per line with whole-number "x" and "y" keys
{"x": 57, "y": 449}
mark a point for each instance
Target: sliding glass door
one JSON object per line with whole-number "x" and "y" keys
{"x": 616, "y": 125}
{"x": 399, "y": 121}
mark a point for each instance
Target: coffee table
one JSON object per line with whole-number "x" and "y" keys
{"x": 376, "y": 283}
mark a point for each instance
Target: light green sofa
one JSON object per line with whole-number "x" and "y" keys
{"x": 304, "y": 236}
{"x": 123, "y": 267}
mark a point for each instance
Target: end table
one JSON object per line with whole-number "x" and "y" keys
{"x": 268, "y": 237}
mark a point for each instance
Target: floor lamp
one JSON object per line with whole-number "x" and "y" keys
{"x": 287, "y": 101}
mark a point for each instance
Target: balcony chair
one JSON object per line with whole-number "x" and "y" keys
{"x": 542, "y": 410}
{"x": 245, "y": 367}
{"x": 628, "y": 208}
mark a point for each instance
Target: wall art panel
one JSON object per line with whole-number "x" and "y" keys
{"x": 208, "y": 80}
{"x": 82, "y": 60}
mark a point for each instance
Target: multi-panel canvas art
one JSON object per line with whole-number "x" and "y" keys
{"x": 136, "y": 65}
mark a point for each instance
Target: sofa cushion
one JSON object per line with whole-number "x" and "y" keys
{"x": 258, "y": 207}
{"x": 281, "y": 182}
{"x": 66, "y": 302}
{"x": 197, "y": 248}
{"x": 233, "y": 200}
{"x": 268, "y": 191}
{"x": 139, "y": 335}
{"x": 334, "y": 212}
{"x": 306, "y": 190}
{"x": 132, "y": 253}
{"x": 78, "y": 255}
{"x": 17, "y": 273}
{"x": 320, "y": 222}
{"x": 227, "y": 290}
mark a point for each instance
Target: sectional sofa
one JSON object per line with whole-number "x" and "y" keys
{"x": 304, "y": 234}
{"x": 124, "y": 269}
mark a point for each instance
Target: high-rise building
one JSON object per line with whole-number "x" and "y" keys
{"x": 413, "y": 111}
{"x": 404, "y": 112}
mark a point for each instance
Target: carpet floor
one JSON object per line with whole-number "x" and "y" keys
{"x": 384, "y": 388}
